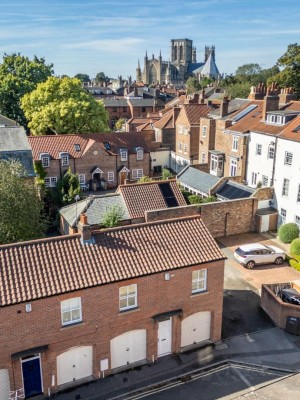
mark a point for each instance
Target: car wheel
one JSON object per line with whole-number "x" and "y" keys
{"x": 250, "y": 264}
{"x": 278, "y": 261}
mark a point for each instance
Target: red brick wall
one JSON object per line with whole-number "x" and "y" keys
{"x": 102, "y": 320}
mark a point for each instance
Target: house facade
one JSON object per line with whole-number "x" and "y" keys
{"x": 90, "y": 305}
{"x": 101, "y": 161}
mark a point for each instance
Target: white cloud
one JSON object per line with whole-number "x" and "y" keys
{"x": 106, "y": 45}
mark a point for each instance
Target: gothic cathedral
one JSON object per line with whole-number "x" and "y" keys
{"x": 181, "y": 65}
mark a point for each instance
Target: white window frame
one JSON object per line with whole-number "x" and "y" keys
{"x": 285, "y": 187}
{"x": 298, "y": 194}
{"x": 264, "y": 180}
{"x": 110, "y": 176}
{"x": 199, "y": 280}
{"x": 180, "y": 129}
{"x": 185, "y": 148}
{"x": 45, "y": 160}
{"x": 71, "y": 306}
{"x": 180, "y": 147}
{"x": 137, "y": 173}
{"x": 81, "y": 178}
{"x": 288, "y": 158}
{"x": 283, "y": 215}
{"x": 254, "y": 178}
{"x": 258, "y": 149}
{"x": 235, "y": 142}
{"x": 50, "y": 181}
{"x": 233, "y": 167}
{"x": 128, "y": 296}
{"x": 64, "y": 158}
{"x": 140, "y": 154}
{"x": 203, "y": 157}
{"x": 123, "y": 154}
{"x": 271, "y": 152}
{"x": 297, "y": 221}
{"x": 204, "y": 130}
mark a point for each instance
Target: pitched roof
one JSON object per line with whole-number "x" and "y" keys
{"x": 5, "y": 122}
{"x": 195, "y": 111}
{"x": 13, "y": 139}
{"x": 292, "y": 131}
{"x": 231, "y": 190}
{"x": 58, "y": 143}
{"x": 48, "y": 267}
{"x": 165, "y": 122}
{"x": 209, "y": 68}
{"x": 95, "y": 207}
{"x": 199, "y": 180}
{"x": 148, "y": 196}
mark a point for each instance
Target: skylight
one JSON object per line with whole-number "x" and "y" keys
{"x": 107, "y": 145}
{"x": 77, "y": 147}
{"x": 246, "y": 111}
{"x": 297, "y": 129}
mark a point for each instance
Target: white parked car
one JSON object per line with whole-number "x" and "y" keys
{"x": 252, "y": 254}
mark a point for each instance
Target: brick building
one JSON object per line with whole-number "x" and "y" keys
{"x": 89, "y": 305}
{"x": 101, "y": 160}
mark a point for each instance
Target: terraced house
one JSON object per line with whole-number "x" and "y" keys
{"x": 91, "y": 304}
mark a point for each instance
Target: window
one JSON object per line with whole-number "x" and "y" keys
{"x": 110, "y": 176}
{"x": 202, "y": 158}
{"x": 137, "y": 173}
{"x": 233, "y": 167}
{"x": 71, "y": 311}
{"x": 271, "y": 151}
{"x": 124, "y": 109}
{"x": 51, "y": 181}
{"x": 45, "y": 161}
{"x": 185, "y": 148}
{"x": 283, "y": 215}
{"x": 216, "y": 164}
{"x": 298, "y": 194}
{"x": 288, "y": 158}
{"x": 204, "y": 130}
{"x": 115, "y": 109}
{"x": 157, "y": 135}
{"x": 258, "y": 149}
{"x": 139, "y": 154}
{"x": 199, "y": 280}
{"x": 81, "y": 178}
{"x": 253, "y": 178}
{"x": 127, "y": 297}
{"x": 180, "y": 146}
{"x": 123, "y": 154}
{"x": 180, "y": 129}
{"x": 297, "y": 220}
{"x": 143, "y": 109}
{"x": 285, "y": 187}
{"x": 77, "y": 147}
{"x": 264, "y": 180}
{"x": 235, "y": 141}
{"x": 64, "y": 159}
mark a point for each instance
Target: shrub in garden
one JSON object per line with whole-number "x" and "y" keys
{"x": 288, "y": 232}
{"x": 295, "y": 247}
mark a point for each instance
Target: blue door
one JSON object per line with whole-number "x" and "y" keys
{"x": 32, "y": 377}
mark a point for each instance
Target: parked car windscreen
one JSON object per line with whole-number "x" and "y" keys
{"x": 240, "y": 252}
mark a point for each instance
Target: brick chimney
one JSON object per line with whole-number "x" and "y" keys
{"x": 287, "y": 95}
{"x": 224, "y": 106}
{"x": 84, "y": 229}
{"x": 257, "y": 92}
{"x": 271, "y": 100}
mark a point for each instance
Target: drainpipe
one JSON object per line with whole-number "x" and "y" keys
{"x": 274, "y": 162}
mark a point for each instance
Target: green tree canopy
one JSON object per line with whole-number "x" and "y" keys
{"x": 112, "y": 216}
{"x": 83, "y": 77}
{"x": 61, "y": 105}
{"x": 67, "y": 188}
{"x": 21, "y": 209}
{"x": 20, "y": 75}
{"x": 247, "y": 71}
{"x": 192, "y": 85}
{"x": 119, "y": 124}
{"x": 101, "y": 77}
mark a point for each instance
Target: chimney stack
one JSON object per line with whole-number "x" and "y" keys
{"x": 287, "y": 95}
{"x": 84, "y": 229}
{"x": 271, "y": 100}
{"x": 224, "y": 106}
{"x": 257, "y": 92}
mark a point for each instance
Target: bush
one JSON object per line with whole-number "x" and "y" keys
{"x": 294, "y": 264}
{"x": 295, "y": 247}
{"x": 194, "y": 199}
{"x": 288, "y": 232}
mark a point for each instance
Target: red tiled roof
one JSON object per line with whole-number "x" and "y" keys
{"x": 165, "y": 121}
{"x": 142, "y": 197}
{"x": 48, "y": 267}
{"x": 195, "y": 111}
{"x": 289, "y": 132}
{"x": 59, "y": 143}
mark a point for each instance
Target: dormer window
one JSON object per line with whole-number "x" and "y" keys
{"x": 139, "y": 153}
{"x": 123, "y": 154}
{"x": 45, "y": 159}
{"x": 77, "y": 147}
{"x": 64, "y": 157}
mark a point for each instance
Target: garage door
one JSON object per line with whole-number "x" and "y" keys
{"x": 4, "y": 384}
{"x": 195, "y": 328}
{"x": 128, "y": 348}
{"x": 74, "y": 364}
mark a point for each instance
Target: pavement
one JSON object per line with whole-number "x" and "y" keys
{"x": 250, "y": 340}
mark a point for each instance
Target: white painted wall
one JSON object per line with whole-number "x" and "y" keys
{"x": 160, "y": 157}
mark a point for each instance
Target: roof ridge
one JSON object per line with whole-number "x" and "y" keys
{"x": 42, "y": 240}
{"x": 147, "y": 183}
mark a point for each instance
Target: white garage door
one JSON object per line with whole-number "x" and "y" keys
{"x": 74, "y": 364}
{"x": 4, "y": 384}
{"x": 128, "y": 348}
{"x": 195, "y": 328}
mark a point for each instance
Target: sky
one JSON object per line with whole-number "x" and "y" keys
{"x": 86, "y": 36}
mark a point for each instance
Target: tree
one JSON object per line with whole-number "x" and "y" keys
{"x": 67, "y": 188}
{"x": 112, "y": 217}
{"x": 192, "y": 85}
{"x": 61, "y": 105}
{"x": 119, "y": 124}
{"x": 20, "y": 75}
{"x": 21, "y": 209}
{"x": 166, "y": 174}
{"x": 204, "y": 82}
{"x": 245, "y": 72}
{"x": 144, "y": 179}
{"x": 289, "y": 63}
{"x": 240, "y": 90}
{"x": 83, "y": 77}
{"x": 101, "y": 77}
